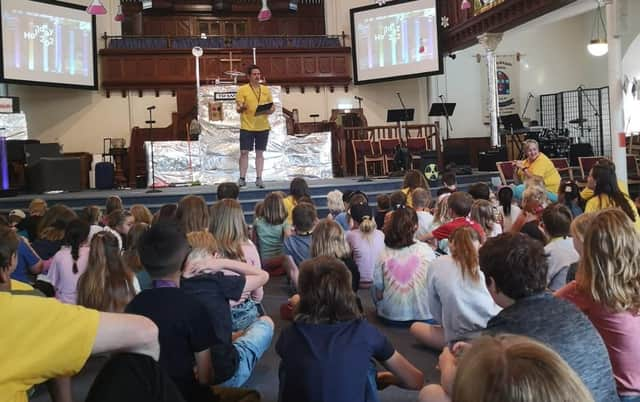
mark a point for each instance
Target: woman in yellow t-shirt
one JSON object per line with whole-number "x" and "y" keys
{"x": 413, "y": 179}
{"x": 537, "y": 164}
{"x": 602, "y": 180}
{"x": 297, "y": 189}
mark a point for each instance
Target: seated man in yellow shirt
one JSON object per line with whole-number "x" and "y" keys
{"x": 43, "y": 339}
{"x": 254, "y": 127}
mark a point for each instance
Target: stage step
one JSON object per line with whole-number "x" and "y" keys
{"x": 249, "y": 195}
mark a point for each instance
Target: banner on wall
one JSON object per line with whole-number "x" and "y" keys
{"x": 508, "y": 86}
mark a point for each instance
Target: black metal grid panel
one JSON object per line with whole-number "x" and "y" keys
{"x": 583, "y": 113}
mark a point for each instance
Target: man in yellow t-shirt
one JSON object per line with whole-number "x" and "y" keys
{"x": 254, "y": 128}
{"x": 43, "y": 339}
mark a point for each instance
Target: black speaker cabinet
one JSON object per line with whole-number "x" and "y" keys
{"x": 55, "y": 174}
{"x": 458, "y": 155}
{"x": 578, "y": 150}
{"x": 487, "y": 160}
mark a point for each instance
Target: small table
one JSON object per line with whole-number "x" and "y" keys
{"x": 119, "y": 156}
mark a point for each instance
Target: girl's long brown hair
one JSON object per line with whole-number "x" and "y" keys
{"x": 228, "y": 227}
{"x": 325, "y": 292}
{"x": 192, "y": 214}
{"x": 464, "y": 252}
{"x": 107, "y": 284}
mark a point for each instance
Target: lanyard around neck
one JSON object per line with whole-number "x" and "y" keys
{"x": 257, "y": 94}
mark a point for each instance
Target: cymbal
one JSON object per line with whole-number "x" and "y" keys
{"x": 577, "y": 121}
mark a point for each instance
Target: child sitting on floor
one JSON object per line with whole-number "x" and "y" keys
{"x": 330, "y": 340}
{"x": 270, "y": 230}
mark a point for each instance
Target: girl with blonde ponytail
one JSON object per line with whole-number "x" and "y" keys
{"x": 457, "y": 295}
{"x": 366, "y": 242}
{"x": 107, "y": 284}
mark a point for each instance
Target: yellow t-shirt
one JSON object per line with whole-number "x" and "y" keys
{"x": 17, "y": 285}
{"x": 40, "y": 339}
{"x": 408, "y": 193}
{"x": 587, "y": 193}
{"x": 251, "y": 99}
{"x": 544, "y": 168}
{"x": 596, "y": 203}
{"x": 289, "y": 204}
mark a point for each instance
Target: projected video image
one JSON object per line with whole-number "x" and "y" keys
{"x": 402, "y": 38}
{"x": 46, "y": 45}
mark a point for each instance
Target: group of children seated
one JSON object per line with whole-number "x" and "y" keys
{"x": 526, "y": 300}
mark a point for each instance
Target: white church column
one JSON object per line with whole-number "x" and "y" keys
{"x": 490, "y": 42}
{"x": 618, "y": 151}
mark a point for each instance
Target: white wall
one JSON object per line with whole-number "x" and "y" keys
{"x": 554, "y": 59}
{"x": 631, "y": 64}
{"x": 80, "y": 119}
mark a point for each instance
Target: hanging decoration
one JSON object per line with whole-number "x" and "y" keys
{"x": 265, "y": 13}
{"x": 465, "y": 5}
{"x": 119, "y": 16}
{"x": 96, "y": 7}
{"x": 444, "y": 22}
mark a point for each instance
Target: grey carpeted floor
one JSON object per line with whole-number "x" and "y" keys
{"x": 265, "y": 378}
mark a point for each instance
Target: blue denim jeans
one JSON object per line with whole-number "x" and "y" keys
{"x": 629, "y": 398}
{"x": 243, "y": 315}
{"x": 250, "y": 346}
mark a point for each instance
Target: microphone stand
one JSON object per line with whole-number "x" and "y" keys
{"x": 446, "y": 114}
{"x": 526, "y": 105}
{"x": 151, "y": 122}
{"x": 406, "y": 118}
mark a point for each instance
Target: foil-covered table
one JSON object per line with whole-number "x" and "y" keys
{"x": 13, "y": 126}
{"x": 214, "y": 157}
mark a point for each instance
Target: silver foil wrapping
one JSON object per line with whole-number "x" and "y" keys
{"x": 13, "y": 126}
{"x": 214, "y": 157}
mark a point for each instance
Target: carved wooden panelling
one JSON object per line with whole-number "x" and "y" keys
{"x": 324, "y": 65}
{"x": 171, "y": 69}
{"x": 294, "y": 65}
{"x": 464, "y": 28}
{"x": 340, "y": 65}
{"x": 309, "y": 65}
{"x": 184, "y": 28}
{"x": 194, "y": 26}
{"x": 278, "y": 66}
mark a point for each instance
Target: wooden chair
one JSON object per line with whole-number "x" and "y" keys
{"x": 562, "y": 166}
{"x": 388, "y": 150}
{"x": 586, "y": 163}
{"x": 507, "y": 171}
{"x": 417, "y": 146}
{"x": 365, "y": 152}
{"x": 633, "y": 144}
{"x": 633, "y": 170}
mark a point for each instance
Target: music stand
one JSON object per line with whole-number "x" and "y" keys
{"x": 513, "y": 123}
{"x": 399, "y": 115}
{"x": 443, "y": 109}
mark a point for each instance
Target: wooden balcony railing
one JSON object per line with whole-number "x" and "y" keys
{"x": 170, "y": 69}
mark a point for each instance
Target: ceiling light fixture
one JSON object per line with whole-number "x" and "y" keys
{"x": 598, "y": 45}
{"x": 96, "y": 8}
